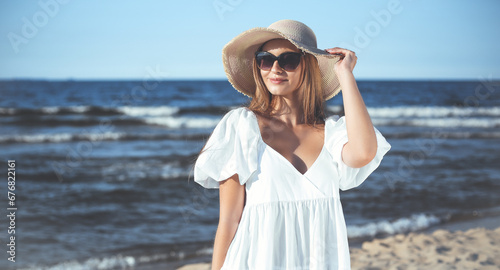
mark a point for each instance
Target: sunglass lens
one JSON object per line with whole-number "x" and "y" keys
{"x": 265, "y": 61}
{"x": 290, "y": 61}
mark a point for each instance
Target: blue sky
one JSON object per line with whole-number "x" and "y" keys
{"x": 394, "y": 39}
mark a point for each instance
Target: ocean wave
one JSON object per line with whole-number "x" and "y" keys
{"x": 426, "y": 111}
{"x": 384, "y": 112}
{"x": 434, "y": 116}
{"x": 148, "y": 111}
{"x": 113, "y": 262}
{"x": 177, "y": 117}
{"x": 92, "y": 110}
{"x": 76, "y": 122}
{"x": 133, "y": 111}
{"x": 121, "y": 261}
{"x": 60, "y": 137}
{"x": 450, "y": 122}
{"x": 134, "y": 171}
{"x": 174, "y": 122}
{"x": 87, "y": 110}
{"x": 445, "y": 135}
{"x": 183, "y": 122}
{"x": 105, "y": 136}
{"x": 336, "y": 109}
{"x": 431, "y": 111}
{"x": 121, "y": 136}
{"x": 415, "y": 222}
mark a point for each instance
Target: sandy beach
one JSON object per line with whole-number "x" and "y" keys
{"x": 463, "y": 245}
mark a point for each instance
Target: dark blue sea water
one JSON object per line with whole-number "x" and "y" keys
{"x": 104, "y": 169}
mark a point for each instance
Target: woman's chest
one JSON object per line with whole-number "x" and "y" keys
{"x": 278, "y": 180}
{"x": 300, "y": 146}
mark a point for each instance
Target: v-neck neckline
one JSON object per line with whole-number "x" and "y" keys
{"x": 281, "y": 156}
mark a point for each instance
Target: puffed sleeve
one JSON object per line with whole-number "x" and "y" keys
{"x": 336, "y": 133}
{"x": 232, "y": 148}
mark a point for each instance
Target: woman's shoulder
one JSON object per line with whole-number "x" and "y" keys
{"x": 238, "y": 114}
{"x": 231, "y": 148}
{"x": 335, "y": 128}
{"x": 334, "y": 118}
{"x": 240, "y": 119}
{"x": 241, "y": 110}
{"x": 334, "y": 122}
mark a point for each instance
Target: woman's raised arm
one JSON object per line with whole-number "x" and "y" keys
{"x": 362, "y": 145}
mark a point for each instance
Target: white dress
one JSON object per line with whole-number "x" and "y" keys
{"x": 291, "y": 220}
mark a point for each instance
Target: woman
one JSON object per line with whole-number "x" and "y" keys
{"x": 279, "y": 164}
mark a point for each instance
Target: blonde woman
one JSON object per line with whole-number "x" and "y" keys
{"x": 278, "y": 163}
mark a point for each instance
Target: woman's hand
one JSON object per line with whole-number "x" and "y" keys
{"x": 347, "y": 60}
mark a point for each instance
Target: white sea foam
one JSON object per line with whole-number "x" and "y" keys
{"x": 36, "y": 138}
{"x": 50, "y": 110}
{"x": 114, "y": 262}
{"x": 60, "y": 137}
{"x": 435, "y": 116}
{"x": 432, "y": 111}
{"x": 183, "y": 122}
{"x": 148, "y": 111}
{"x": 170, "y": 171}
{"x": 413, "y": 223}
{"x": 205, "y": 251}
{"x": 448, "y": 122}
{"x": 127, "y": 110}
{"x": 335, "y": 108}
{"x": 428, "y": 111}
{"x": 7, "y": 111}
{"x": 118, "y": 261}
{"x": 75, "y": 109}
{"x": 143, "y": 170}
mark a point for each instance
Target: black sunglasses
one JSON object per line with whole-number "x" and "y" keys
{"x": 288, "y": 61}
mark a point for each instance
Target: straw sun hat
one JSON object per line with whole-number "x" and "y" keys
{"x": 239, "y": 53}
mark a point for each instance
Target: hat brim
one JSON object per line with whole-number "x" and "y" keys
{"x": 238, "y": 54}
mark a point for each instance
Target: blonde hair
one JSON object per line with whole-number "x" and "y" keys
{"x": 313, "y": 102}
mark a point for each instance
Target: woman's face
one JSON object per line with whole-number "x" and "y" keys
{"x": 277, "y": 80}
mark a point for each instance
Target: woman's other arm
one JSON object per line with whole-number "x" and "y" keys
{"x": 232, "y": 201}
{"x": 362, "y": 145}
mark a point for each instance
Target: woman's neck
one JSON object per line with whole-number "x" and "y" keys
{"x": 288, "y": 110}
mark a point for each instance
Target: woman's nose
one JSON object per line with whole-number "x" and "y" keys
{"x": 276, "y": 67}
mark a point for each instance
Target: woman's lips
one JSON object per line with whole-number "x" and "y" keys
{"x": 277, "y": 80}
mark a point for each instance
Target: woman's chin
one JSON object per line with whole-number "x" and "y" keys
{"x": 279, "y": 90}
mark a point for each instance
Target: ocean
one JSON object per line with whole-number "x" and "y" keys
{"x": 104, "y": 168}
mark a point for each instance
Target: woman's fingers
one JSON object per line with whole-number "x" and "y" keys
{"x": 336, "y": 49}
{"x": 342, "y": 51}
{"x": 347, "y": 60}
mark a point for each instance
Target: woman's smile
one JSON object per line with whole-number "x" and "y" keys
{"x": 277, "y": 80}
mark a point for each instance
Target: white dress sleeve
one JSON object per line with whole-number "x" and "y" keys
{"x": 232, "y": 148}
{"x": 337, "y": 138}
